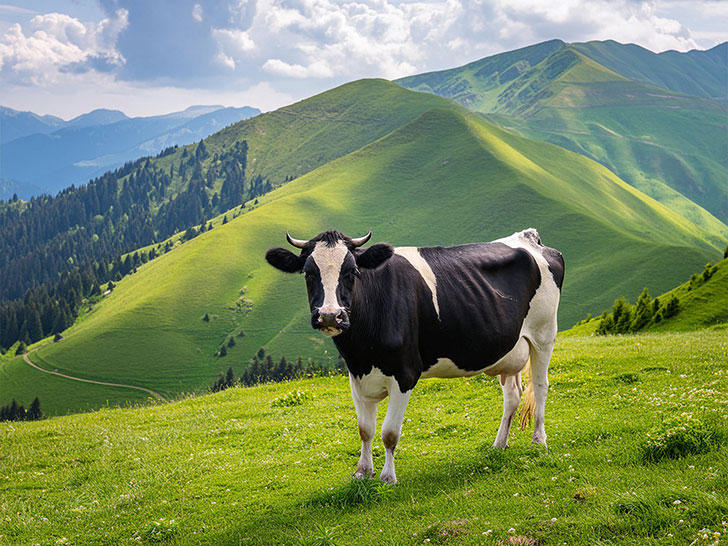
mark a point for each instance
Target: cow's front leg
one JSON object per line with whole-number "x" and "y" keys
{"x": 366, "y": 414}
{"x": 391, "y": 429}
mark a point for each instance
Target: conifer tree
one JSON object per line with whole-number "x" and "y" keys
{"x": 642, "y": 311}
{"x": 34, "y": 412}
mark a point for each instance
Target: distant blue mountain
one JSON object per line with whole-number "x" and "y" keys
{"x": 15, "y": 124}
{"x": 49, "y": 154}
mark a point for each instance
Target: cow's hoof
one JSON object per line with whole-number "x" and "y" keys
{"x": 363, "y": 473}
{"x": 539, "y": 442}
{"x": 496, "y": 445}
{"x": 389, "y": 479}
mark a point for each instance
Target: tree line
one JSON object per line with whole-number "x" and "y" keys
{"x": 17, "y": 412}
{"x": 267, "y": 370}
{"x": 625, "y": 318}
{"x": 56, "y": 251}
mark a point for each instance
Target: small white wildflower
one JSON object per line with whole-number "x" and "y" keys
{"x": 511, "y": 530}
{"x": 677, "y": 501}
{"x": 554, "y": 520}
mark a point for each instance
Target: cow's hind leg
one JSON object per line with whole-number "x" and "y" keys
{"x": 391, "y": 429}
{"x": 540, "y": 357}
{"x": 512, "y": 390}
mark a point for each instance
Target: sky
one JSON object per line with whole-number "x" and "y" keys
{"x": 147, "y": 57}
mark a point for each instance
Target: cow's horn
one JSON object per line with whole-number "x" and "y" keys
{"x": 361, "y": 240}
{"x": 295, "y": 242}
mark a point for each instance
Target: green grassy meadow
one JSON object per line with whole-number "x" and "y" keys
{"x": 240, "y": 467}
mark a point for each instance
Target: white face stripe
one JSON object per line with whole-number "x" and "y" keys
{"x": 413, "y": 256}
{"x": 329, "y": 260}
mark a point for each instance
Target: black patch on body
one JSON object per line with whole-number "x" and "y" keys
{"x": 483, "y": 291}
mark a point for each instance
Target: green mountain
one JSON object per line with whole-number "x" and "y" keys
{"x": 445, "y": 177}
{"x": 668, "y": 144}
{"x": 698, "y": 73}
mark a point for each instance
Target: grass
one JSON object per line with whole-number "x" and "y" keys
{"x": 231, "y": 468}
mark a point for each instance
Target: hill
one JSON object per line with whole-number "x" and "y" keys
{"x": 93, "y": 143}
{"x": 668, "y": 144}
{"x": 702, "y": 302}
{"x": 236, "y": 468}
{"x": 54, "y": 251}
{"x": 445, "y": 177}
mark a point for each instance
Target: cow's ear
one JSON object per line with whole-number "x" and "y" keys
{"x": 374, "y": 256}
{"x": 285, "y": 260}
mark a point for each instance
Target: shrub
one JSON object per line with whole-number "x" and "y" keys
{"x": 678, "y": 437}
{"x": 293, "y": 398}
{"x": 671, "y": 307}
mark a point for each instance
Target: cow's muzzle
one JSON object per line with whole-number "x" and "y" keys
{"x": 330, "y": 321}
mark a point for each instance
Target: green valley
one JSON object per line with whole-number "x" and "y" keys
{"x": 444, "y": 176}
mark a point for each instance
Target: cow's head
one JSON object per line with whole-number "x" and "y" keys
{"x": 331, "y": 262}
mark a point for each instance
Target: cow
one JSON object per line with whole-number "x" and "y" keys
{"x": 401, "y": 314}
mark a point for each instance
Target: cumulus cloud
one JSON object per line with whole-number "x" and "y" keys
{"x": 57, "y": 43}
{"x": 305, "y": 46}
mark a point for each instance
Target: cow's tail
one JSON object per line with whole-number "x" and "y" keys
{"x": 528, "y": 400}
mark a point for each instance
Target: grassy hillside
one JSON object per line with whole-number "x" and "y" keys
{"x": 235, "y": 468}
{"x": 296, "y": 139}
{"x": 447, "y": 177}
{"x": 703, "y": 304}
{"x": 667, "y": 144}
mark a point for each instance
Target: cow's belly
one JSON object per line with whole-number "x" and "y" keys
{"x": 510, "y": 364}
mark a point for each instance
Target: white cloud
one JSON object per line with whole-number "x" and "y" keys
{"x": 58, "y": 44}
{"x": 306, "y": 46}
{"x": 232, "y": 44}
{"x": 318, "y": 69}
{"x": 197, "y": 12}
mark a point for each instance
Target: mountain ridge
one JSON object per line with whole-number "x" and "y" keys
{"x": 666, "y": 143}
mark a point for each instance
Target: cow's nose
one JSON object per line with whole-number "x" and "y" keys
{"x": 330, "y": 317}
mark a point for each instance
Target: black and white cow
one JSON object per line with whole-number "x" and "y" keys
{"x": 400, "y": 314}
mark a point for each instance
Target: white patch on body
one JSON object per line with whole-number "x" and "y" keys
{"x": 413, "y": 256}
{"x": 539, "y": 325}
{"x": 329, "y": 260}
{"x": 372, "y": 387}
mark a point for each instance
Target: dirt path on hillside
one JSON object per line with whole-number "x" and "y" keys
{"x": 26, "y": 358}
